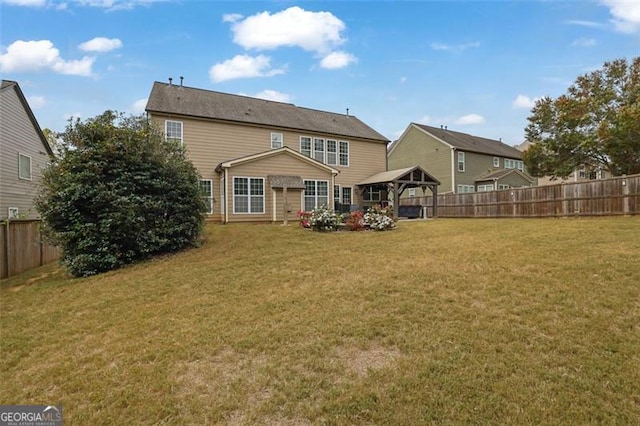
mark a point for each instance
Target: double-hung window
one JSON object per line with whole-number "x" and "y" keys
{"x": 305, "y": 146}
{"x": 316, "y": 194}
{"x": 206, "y": 189}
{"x": 344, "y": 153}
{"x": 346, "y": 195}
{"x": 276, "y": 140}
{"x": 336, "y": 193}
{"x": 24, "y": 166}
{"x": 372, "y": 194}
{"x": 332, "y": 152}
{"x": 460, "y": 161}
{"x": 496, "y": 161}
{"x": 464, "y": 189}
{"x": 173, "y": 130}
{"x": 248, "y": 195}
{"x": 318, "y": 149}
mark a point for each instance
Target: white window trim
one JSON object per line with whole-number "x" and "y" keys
{"x": 310, "y": 139}
{"x": 210, "y": 196}
{"x": 463, "y": 189}
{"x": 461, "y": 156}
{"x": 335, "y": 153}
{"x": 166, "y": 133}
{"x": 496, "y": 161}
{"x": 324, "y": 150}
{"x": 280, "y": 140}
{"x": 30, "y": 167}
{"x": 346, "y": 143}
{"x": 233, "y": 191}
{"x": 412, "y": 192}
{"x": 13, "y": 213}
{"x": 316, "y": 196}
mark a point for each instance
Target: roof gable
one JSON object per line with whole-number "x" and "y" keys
{"x": 285, "y": 150}
{"x": 207, "y": 104}
{"x": 9, "y": 85}
{"x": 404, "y": 174}
{"x": 466, "y": 142}
{"x": 499, "y": 174}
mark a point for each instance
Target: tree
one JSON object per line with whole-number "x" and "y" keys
{"x": 119, "y": 193}
{"x": 595, "y": 124}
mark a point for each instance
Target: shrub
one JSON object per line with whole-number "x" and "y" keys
{"x": 324, "y": 219}
{"x": 118, "y": 194}
{"x": 379, "y": 219}
{"x": 303, "y": 218}
{"x": 354, "y": 220}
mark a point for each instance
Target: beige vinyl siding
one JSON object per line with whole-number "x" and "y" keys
{"x": 282, "y": 164}
{"x": 210, "y": 143}
{"x": 17, "y": 135}
{"x": 418, "y": 148}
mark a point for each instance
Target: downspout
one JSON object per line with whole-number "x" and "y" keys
{"x": 226, "y": 198}
{"x": 453, "y": 170}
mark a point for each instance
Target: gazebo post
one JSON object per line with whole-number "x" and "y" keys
{"x": 396, "y": 200}
{"x": 434, "y": 191}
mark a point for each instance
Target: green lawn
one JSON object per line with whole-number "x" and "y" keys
{"x": 441, "y": 321}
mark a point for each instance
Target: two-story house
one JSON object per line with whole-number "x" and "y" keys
{"x": 24, "y": 152}
{"x": 262, "y": 160}
{"x": 461, "y": 162}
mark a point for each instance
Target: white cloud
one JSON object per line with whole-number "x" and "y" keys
{"x": 101, "y": 44}
{"x": 523, "y": 101}
{"x": 25, "y": 3}
{"x": 626, "y": 14}
{"x": 271, "y": 95}
{"x": 41, "y": 55}
{"x": 469, "y": 119}
{"x": 231, "y": 17}
{"x": 455, "y": 47}
{"x": 243, "y": 66}
{"x": 36, "y": 102}
{"x": 584, "y": 42}
{"x": 582, "y": 23}
{"x": 318, "y": 32}
{"x": 138, "y": 106}
{"x": 338, "y": 59}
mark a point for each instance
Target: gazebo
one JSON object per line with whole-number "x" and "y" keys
{"x": 400, "y": 179}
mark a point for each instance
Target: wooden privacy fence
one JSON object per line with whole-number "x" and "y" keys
{"x": 22, "y": 248}
{"x": 609, "y": 197}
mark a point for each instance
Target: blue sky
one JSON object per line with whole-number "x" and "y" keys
{"x": 475, "y": 66}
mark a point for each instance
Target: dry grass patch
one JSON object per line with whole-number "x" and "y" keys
{"x": 443, "y": 321}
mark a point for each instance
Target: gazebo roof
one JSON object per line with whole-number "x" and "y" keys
{"x": 415, "y": 175}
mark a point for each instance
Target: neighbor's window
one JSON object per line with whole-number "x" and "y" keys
{"x": 344, "y": 153}
{"x": 332, "y": 152}
{"x": 464, "y": 189}
{"x": 13, "y": 213}
{"x": 318, "y": 149}
{"x": 412, "y": 192}
{"x": 173, "y": 130}
{"x": 504, "y": 186}
{"x": 305, "y": 146}
{"x": 206, "y": 189}
{"x": 248, "y": 195}
{"x": 496, "y": 161}
{"x": 485, "y": 188}
{"x": 316, "y": 194}
{"x": 461, "y": 161}
{"x": 276, "y": 140}
{"x": 24, "y": 166}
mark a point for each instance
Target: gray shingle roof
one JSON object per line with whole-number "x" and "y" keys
{"x": 466, "y": 142}
{"x": 188, "y": 101}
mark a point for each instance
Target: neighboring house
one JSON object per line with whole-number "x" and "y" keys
{"x": 262, "y": 160}
{"x": 24, "y": 152}
{"x": 580, "y": 174}
{"x": 461, "y": 162}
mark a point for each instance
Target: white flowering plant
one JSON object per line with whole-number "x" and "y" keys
{"x": 379, "y": 219}
{"x": 324, "y": 219}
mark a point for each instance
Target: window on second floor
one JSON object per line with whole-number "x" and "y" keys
{"x": 412, "y": 192}
{"x": 305, "y": 146}
{"x": 318, "y": 149}
{"x": 513, "y": 164}
{"x": 328, "y": 151}
{"x": 276, "y": 140}
{"x": 461, "y": 161}
{"x": 24, "y": 166}
{"x": 344, "y": 153}
{"x": 173, "y": 130}
{"x": 496, "y": 161}
{"x": 332, "y": 152}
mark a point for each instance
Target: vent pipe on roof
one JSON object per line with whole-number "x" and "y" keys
{"x": 347, "y": 112}
{"x": 445, "y": 127}
{"x": 170, "y": 81}
{"x": 181, "y": 78}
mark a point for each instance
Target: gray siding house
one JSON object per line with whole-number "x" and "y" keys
{"x": 24, "y": 152}
{"x": 461, "y": 162}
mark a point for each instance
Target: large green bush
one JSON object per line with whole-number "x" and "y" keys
{"x": 119, "y": 193}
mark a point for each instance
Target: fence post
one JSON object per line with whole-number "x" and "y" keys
{"x": 625, "y": 194}
{"x": 6, "y": 247}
